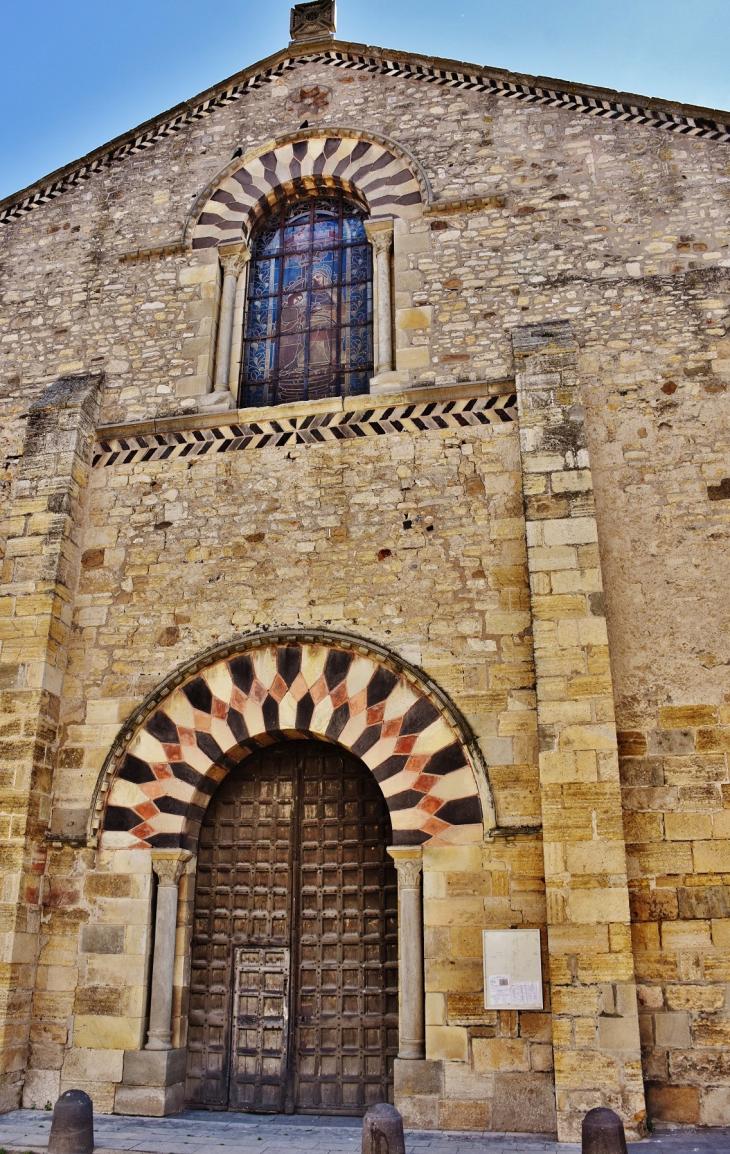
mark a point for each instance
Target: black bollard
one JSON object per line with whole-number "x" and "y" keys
{"x": 72, "y": 1128}
{"x": 382, "y": 1131}
{"x": 603, "y": 1132}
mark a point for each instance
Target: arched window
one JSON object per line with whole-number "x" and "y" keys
{"x": 309, "y": 315}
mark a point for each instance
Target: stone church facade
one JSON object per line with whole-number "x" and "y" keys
{"x": 365, "y": 510}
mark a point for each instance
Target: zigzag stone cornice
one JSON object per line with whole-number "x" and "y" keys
{"x": 313, "y": 429}
{"x": 604, "y": 104}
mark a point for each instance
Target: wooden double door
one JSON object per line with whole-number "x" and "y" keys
{"x": 294, "y": 978}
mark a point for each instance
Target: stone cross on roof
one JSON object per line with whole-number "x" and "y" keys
{"x": 313, "y": 21}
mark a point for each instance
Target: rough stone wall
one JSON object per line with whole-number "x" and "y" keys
{"x": 619, "y": 228}
{"x": 585, "y": 202}
{"x": 417, "y": 542}
{"x": 611, "y": 226}
{"x": 40, "y": 574}
{"x": 676, "y": 799}
{"x": 485, "y": 1069}
{"x": 657, "y": 414}
{"x": 92, "y": 980}
{"x": 595, "y": 1021}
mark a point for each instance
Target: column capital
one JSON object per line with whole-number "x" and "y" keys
{"x": 380, "y": 234}
{"x": 408, "y": 860}
{"x": 169, "y": 865}
{"x": 234, "y": 257}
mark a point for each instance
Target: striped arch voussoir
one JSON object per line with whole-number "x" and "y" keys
{"x": 378, "y": 173}
{"x": 218, "y": 717}
{"x": 300, "y": 187}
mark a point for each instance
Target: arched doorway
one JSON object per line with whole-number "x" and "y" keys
{"x": 294, "y": 982}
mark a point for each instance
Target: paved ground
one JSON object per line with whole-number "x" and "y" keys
{"x": 200, "y": 1132}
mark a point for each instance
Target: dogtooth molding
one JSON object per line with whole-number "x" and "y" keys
{"x": 312, "y": 429}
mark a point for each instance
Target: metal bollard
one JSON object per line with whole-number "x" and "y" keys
{"x": 72, "y": 1128}
{"x": 603, "y": 1132}
{"x": 382, "y": 1131}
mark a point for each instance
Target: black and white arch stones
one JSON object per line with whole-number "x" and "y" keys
{"x": 374, "y": 171}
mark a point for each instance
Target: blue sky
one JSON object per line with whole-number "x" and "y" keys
{"x": 77, "y": 74}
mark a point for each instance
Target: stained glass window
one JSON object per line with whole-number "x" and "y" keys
{"x": 309, "y": 330}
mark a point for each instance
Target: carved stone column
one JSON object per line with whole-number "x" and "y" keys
{"x": 239, "y": 325}
{"x": 412, "y": 1020}
{"x": 380, "y": 235}
{"x": 234, "y": 258}
{"x": 169, "y": 866}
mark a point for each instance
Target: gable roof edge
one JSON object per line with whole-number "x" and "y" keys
{"x": 600, "y": 103}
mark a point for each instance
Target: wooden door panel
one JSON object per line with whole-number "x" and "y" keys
{"x": 348, "y": 941}
{"x": 242, "y": 898}
{"x": 260, "y": 1031}
{"x": 294, "y": 888}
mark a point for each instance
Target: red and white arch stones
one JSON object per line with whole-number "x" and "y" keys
{"x": 208, "y": 726}
{"x": 375, "y": 171}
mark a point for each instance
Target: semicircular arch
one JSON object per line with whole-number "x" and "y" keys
{"x": 381, "y": 174}
{"x": 211, "y": 716}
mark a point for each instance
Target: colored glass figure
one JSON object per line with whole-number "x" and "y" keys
{"x": 310, "y": 305}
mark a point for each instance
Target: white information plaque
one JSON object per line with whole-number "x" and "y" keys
{"x": 512, "y": 970}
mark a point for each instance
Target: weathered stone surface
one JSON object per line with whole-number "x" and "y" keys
{"x": 524, "y": 1103}
{"x": 115, "y": 576}
{"x": 673, "y": 1103}
{"x": 464, "y": 1115}
{"x": 102, "y": 939}
{"x": 154, "y": 1067}
{"x": 418, "y": 1077}
{"x": 149, "y": 1101}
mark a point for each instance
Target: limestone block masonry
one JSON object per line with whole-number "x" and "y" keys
{"x": 589, "y": 943}
{"x": 498, "y": 580}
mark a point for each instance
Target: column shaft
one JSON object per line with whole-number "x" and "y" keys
{"x": 233, "y": 258}
{"x": 380, "y": 235}
{"x": 169, "y": 869}
{"x": 385, "y": 327}
{"x": 412, "y": 1023}
{"x": 239, "y": 321}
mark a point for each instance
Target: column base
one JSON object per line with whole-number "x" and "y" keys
{"x": 388, "y": 381}
{"x": 417, "y": 1092}
{"x": 153, "y": 1083}
{"x": 220, "y": 399}
{"x": 159, "y": 1040}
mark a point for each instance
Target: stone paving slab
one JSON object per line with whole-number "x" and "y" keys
{"x": 201, "y": 1132}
